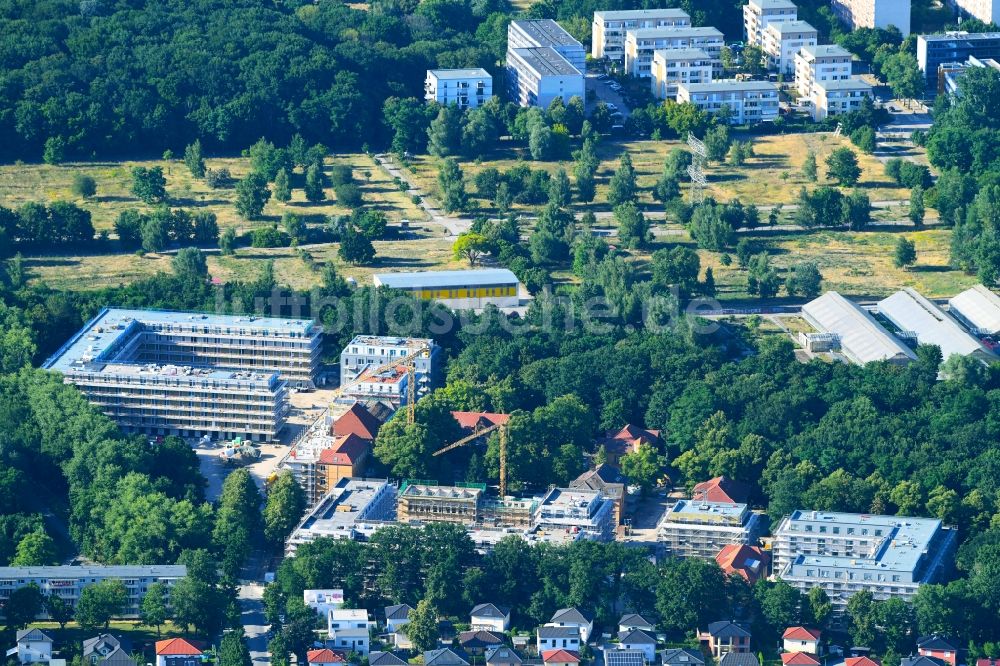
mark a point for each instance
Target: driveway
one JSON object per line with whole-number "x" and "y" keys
{"x": 255, "y": 626}
{"x": 605, "y": 94}
{"x": 453, "y": 225}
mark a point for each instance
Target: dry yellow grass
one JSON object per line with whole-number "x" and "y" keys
{"x": 20, "y": 184}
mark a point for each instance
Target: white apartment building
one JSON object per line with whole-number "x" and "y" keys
{"x": 748, "y": 101}
{"x": 608, "y": 30}
{"x": 825, "y": 62}
{"x": 987, "y": 11}
{"x": 832, "y": 98}
{"x": 371, "y": 351}
{"x": 468, "y": 88}
{"x": 874, "y": 13}
{"x": 673, "y": 66}
{"x": 67, "y": 582}
{"x": 640, "y": 44}
{"x": 844, "y": 553}
{"x": 783, "y": 40}
{"x": 693, "y": 528}
{"x": 758, "y": 14}
{"x": 543, "y": 62}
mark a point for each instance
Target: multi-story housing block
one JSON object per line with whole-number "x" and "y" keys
{"x": 844, "y": 553}
{"x": 692, "y": 528}
{"x": 820, "y": 63}
{"x": 673, "y": 66}
{"x": 67, "y": 582}
{"x": 748, "y": 101}
{"x": 354, "y": 509}
{"x": 641, "y": 43}
{"x": 367, "y": 352}
{"x": 874, "y": 13}
{"x": 782, "y": 41}
{"x": 467, "y": 88}
{"x": 609, "y": 28}
{"x": 543, "y": 62}
{"x": 576, "y": 509}
{"x": 833, "y": 98}
{"x": 189, "y": 374}
{"x": 987, "y": 11}
{"x": 757, "y": 14}
{"x": 953, "y": 47}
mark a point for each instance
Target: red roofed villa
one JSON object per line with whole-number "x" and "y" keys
{"x": 177, "y": 652}
{"x": 802, "y": 639}
{"x": 560, "y": 657}
{"x": 357, "y": 421}
{"x": 721, "y": 489}
{"x": 862, "y": 661}
{"x": 325, "y": 656}
{"x": 798, "y": 659}
{"x": 473, "y": 421}
{"x": 748, "y": 562}
{"x": 345, "y": 459}
{"x": 627, "y": 440}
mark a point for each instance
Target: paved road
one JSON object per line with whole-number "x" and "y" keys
{"x": 254, "y": 624}
{"x": 453, "y": 225}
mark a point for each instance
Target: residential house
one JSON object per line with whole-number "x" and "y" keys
{"x": 748, "y": 562}
{"x": 862, "y": 661}
{"x": 638, "y": 640}
{"x": 681, "y": 657}
{"x": 633, "y": 622}
{"x": 560, "y": 658}
{"x": 177, "y": 652}
{"x": 32, "y": 646}
{"x": 627, "y": 440}
{"x": 611, "y": 484}
{"x": 325, "y": 657}
{"x": 802, "y": 639}
{"x": 347, "y": 618}
{"x": 501, "y": 655}
{"x": 350, "y": 639}
{"x": 357, "y": 420}
{"x": 781, "y": 41}
{"x": 757, "y": 14}
{"x": 323, "y": 601}
{"x": 625, "y": 658}
{"x": 672, "y": 66}
{"x": 798, "y": 659}
{"x": 748, "y": 102}
{"x": 466, "y": 88}
{"x": 938, "y": 648}
{"x": 378, "y": 658}
{"x": 344, "y": 460}
{"x": 918, "y": 660}
{"x": 106, "y": 650}
{"x": 739, "y": 659}
{"x": 573, "y": 617}
{"x": 724, "y": 637}
{"x": 490, "y": 617}
{"x": 444, "y": 657}
{"x": 609, "y": 28}
{"x": 555, "y": 638}
{"x": 721, "y": 489}
{"x": 477, "y": 641}
{"x": 396, "y": 617}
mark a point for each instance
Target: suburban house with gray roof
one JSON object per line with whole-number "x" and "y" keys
{"x": 490, "y": 617}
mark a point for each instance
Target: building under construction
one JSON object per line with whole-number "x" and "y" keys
{"x": 465, "y": 504}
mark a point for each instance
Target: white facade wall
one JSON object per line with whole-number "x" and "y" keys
{"x": 758, "y": 14}
{"x": 749, "y": 101}
{"x": 838, "y": 97}
{"x": 640, "y": 45}
{"x": 820, "y": 64}
{"x": 782, "y": 41}
{"x": 874, "y": 13}
{"x": 987, "y": 11}
{"x": 673, "y": 66}
{"x": 609, "y": 28}
{"x": 469, "y": 89}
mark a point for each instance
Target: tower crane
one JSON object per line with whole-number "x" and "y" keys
{"x": 409, "y": 362}
{"x": 479, "y": 432}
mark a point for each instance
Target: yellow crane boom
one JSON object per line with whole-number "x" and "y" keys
{"x": 502, "y": 427}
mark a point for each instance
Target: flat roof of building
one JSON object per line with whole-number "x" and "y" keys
{"x": 390, "y": 341}
{"x": 721, "y": 85}
{"x": 343, "y": 506}
{"x": 95, "y": 342}
{"x": 625, "y": 14}
{"x": 903, "y": 542}
{"x": 433, "y": 491}
{"x": 783, "y": 27}
{"x": 861, "y": 336}
{"x": 546, "y": 32}
{"x": 910, "y": 311}
{"x": 474, "y": 73}
{"x": 546, "y": 61}
{"x": 853, "y": 83}
{"x": 978, "y": 306}
{"x": 444, "y": 279}
{"x": 681, "y": 54}
{"x": 96, "y": 571}
{"x": 682, "y": 31}
{"x": 774, "y": 4}
{"x": 826, "y": 51}
{"x": 958, "y": 35}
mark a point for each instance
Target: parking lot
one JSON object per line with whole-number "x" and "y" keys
{"x": 605, "y": 91}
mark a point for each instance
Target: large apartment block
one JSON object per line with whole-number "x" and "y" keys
{"x": 758, "y": 14}
{"x": 67, "y": 582}
{"x": 987, "y": 11}
{"x": 833, "y": 98}
{"x": 366, "y": 352}
{"x": 951, "y": 47}
{"x": 826, "y": 62}
{"x": 748, "y": 101}
{"x": 673, "y": 66}
{"x": 543, "y": 62}
{"x": 694, "y": 528}
{"x": 609, "y": 28}
{"x": 642, "y": 43}
{"x": 782, "y": 41}
{"x": 189, "y": 374}
{"x": 844, "y": 553}
{"x": 874, "y": 13}
{"x": 467, "y": 88}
